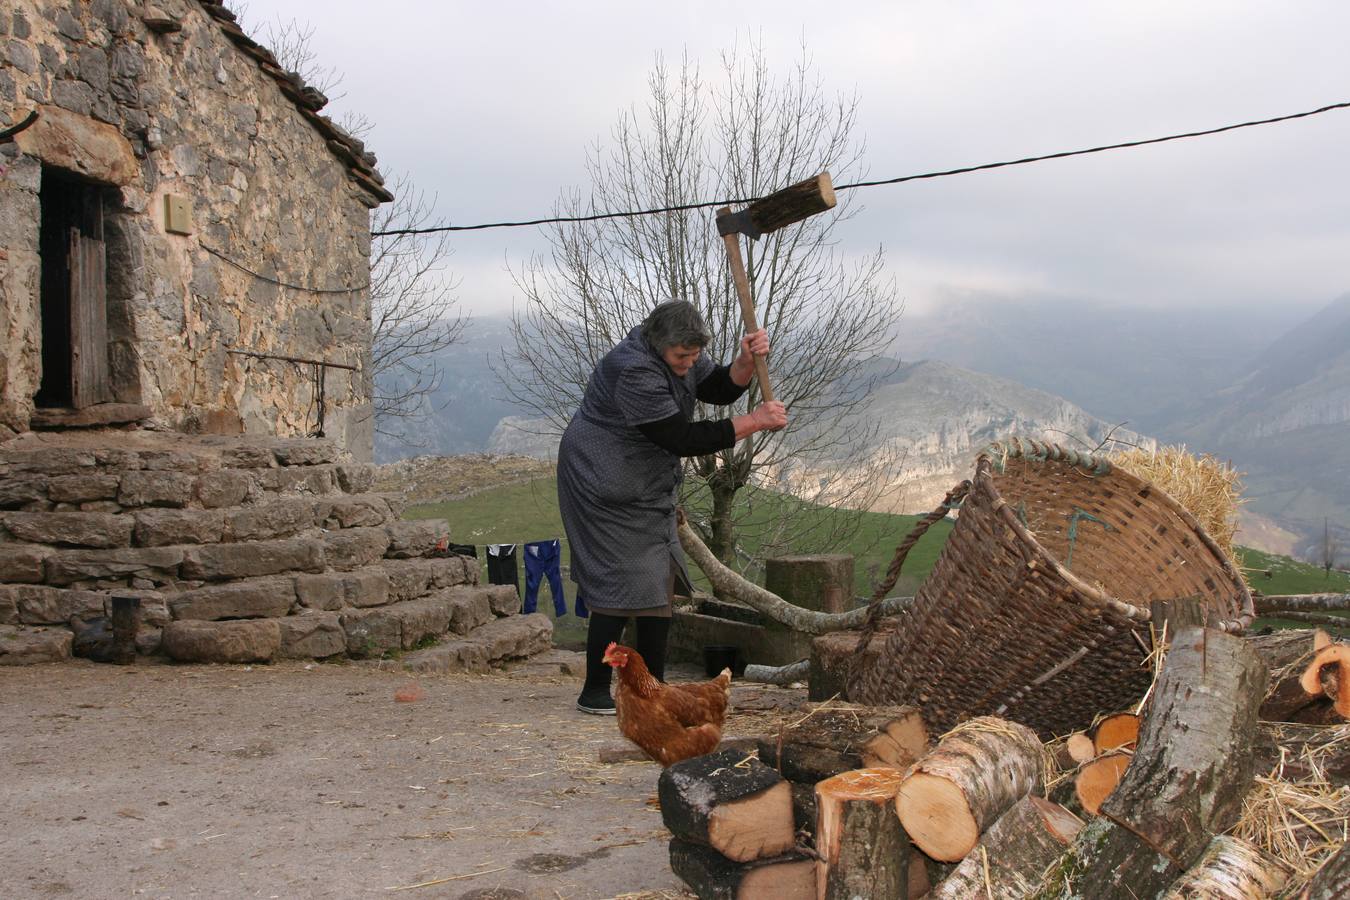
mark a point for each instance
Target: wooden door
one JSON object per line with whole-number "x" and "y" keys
{"x": 88, "y": 261}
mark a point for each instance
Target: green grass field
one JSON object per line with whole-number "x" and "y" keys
{"x": 519, "y": 513}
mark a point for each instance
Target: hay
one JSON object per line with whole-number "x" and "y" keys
{"x": 1207, "y": 488}
{"x": 1303, "y": 822}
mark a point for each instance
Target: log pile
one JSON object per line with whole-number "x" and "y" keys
{"x": 1196, "y": 795}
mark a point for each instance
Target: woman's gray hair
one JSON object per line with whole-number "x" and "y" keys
{"x": 675, "y": 323}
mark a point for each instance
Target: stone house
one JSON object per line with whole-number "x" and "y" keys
{"x": 185, "y": 396}
{"x": 178, "y": 204}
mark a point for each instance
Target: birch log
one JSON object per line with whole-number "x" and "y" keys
{"x": 977, "y": 771}
{"x": 1193, "y": 763}
{"x": 1230, "y": 869}
{"x": 1013, "y": 854}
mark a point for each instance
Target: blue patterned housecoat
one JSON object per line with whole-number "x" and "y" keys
{"x": 616, "y": 489}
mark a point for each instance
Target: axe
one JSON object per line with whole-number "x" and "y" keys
{"x": 768, "y": 214}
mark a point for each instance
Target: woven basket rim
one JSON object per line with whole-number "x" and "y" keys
{"x": 1041, "y": 451}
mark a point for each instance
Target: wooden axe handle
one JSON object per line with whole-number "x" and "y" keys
{"x": 733, "y": 243}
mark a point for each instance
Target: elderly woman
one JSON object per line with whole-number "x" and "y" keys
{"x": 619, "y": 470}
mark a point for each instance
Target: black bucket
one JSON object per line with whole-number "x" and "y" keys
{"x": 717, "y": 657}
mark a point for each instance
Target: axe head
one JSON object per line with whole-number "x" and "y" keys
{"x": 779, "y": 209}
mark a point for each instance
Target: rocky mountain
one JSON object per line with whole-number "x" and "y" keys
{"x": 937, "y": 417}
{"x": 1286, "y": 422}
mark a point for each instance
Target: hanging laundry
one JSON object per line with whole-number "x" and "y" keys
{"x": 544, "y": 559}
{"x": 502, "y": 567}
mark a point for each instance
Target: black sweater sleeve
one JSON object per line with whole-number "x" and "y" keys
{"x": 719, "y": 388}
{"x": 676, "y": 434}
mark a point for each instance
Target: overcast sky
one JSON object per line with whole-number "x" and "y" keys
{"x": 492, "y": 106}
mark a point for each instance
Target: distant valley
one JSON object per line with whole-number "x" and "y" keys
{"x": 1267, "y": 389}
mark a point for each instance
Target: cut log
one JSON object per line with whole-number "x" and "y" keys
{"x": 1328, "y": 671}
{"x": 1108, "y": 862}
{"x": 1332, "y": 881}
{"x": 833, "y": 654}
{"x": 1193, "y": 764}
{"x": 861, "y": 849}
{"x": 714, "y": 877}
{"x": 1080, "y": 748}
{"x": 1116, "y": 732}
{"x": 729, "y": 801}
{"x": 1229, "y": 868}
{"x": 1284, "y": 647}
{"x": 1014, "y": 853}
{"x": 1287, "y": 659}
{"x": 1097, "y": 779}
{"x": 1291, "y": 752}
{"x": 977, "y": 771}
{"x": 831, "y": 741}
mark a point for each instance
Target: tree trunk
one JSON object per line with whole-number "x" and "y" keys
{"x": 1193, "y": 763}
{"x": 1013, "y": 854}
{"x": 729, "y": 801}
{"x": 836, "y": 740}
{"x": 729, "y": 583}
{"x": 977, "y": 771}
{"x": 714, "y": 877}
{"x": 862, "y": 850}
{"x": 1332, "y": 881}
{"x": 722, "y": 541}
{"x": 1271, "y": 606}
{"x": 1229, "y": 868}
{"x": 1108, "y": 862}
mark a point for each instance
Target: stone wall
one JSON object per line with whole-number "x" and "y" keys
{"x": 186, "y": 113}
{"x": 241, "y": 550}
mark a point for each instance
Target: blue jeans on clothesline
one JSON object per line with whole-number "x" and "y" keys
{"x": 544, "y": 558}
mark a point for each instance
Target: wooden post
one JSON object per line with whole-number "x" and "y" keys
{"x": 126, "y": 621}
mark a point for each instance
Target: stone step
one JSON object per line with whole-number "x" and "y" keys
{"x": 511, "y": 637}
{"x": 409, "y": 623}
{"x": 50, "y": 455}
{"x": 27, "y": 646}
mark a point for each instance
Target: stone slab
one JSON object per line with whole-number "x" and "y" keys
{"x": 371, "y": 632}
{"x": 355, "y": 478}
{"x": 22, "y": 563}
{"x": 323, "y": 591}
{"x": 515, "y": 637}
{"x": 250, "y": 599}
{"x": 82, "y": 488}
{"x": 279, "y": 518}
{"x": 312, "y": 635}
{"x": 409, "y": 539}
{"x": 160, "y": 527}
{"x": 156, "y": 488}
{"x": 503, "y": 599}
{"x": 354, "y": 548}
{"x": 40, "y": 605}
{"x": 224, "y": 488}
{"x": 156, "y": 564}
{"x": 17, "y": 491}
{"x": 217, "y": 562}
{"x": 304, "y": 451}
{"x": 77, "y": 143}
{"x": 70, "y": 529}
{"x": 29, "y": 646}
{"x": 240, "y": 641}
{"x": 365, "y": 510}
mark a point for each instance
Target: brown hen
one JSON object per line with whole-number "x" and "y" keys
{"x": 669, "y": 722}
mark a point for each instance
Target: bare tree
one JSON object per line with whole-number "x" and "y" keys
{"x": 828, "y": 316}
{"x": 1329, "y": 548}
{"x": 413, "y": 311}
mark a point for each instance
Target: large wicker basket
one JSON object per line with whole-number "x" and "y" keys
{"x": 1038, "y": 607}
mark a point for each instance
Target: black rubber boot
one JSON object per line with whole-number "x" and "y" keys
{"x": 601, "y": 631}
{"x": 652, "y": 635}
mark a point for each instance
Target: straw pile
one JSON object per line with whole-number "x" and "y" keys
{"x": 1302, "y": 822}
{"x": 1209, "y": 489}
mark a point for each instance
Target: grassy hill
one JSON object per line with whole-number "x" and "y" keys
{"x": 518, "y": 513}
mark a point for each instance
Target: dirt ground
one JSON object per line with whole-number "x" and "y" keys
{"x": 311, "y": 780}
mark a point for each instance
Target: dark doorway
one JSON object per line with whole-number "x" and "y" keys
{"x": 74, "y": 293}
